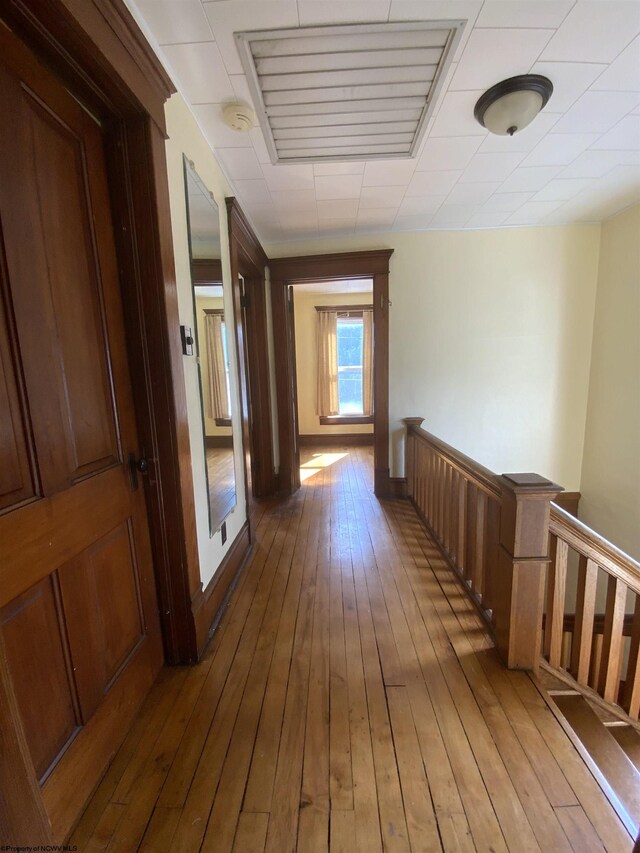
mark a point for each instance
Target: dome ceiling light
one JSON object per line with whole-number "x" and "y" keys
{"x": 511, "y": 105}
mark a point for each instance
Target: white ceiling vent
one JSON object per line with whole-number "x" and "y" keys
{"x": 351, "y": 92}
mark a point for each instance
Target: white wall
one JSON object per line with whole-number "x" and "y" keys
{"x": 185, "y": 137}
{"x": 611, "y": 467}
{"x": 304, "y": 306}
{"x": 490, "y": 340}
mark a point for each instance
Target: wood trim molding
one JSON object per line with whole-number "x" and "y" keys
{"x": 249, "y": 260}
{"x": 206, "y": 271}
{"x": 338, "y": 420}
{"x": 207, "y": 605}
{"x": 291, "y": 271}
{"x": 362, "y": 439}
{"x": 353, "y": 310}
{"x": 397, "y": 487}
{"x": 216, "y": 441}
{"x": 97, "y": 47}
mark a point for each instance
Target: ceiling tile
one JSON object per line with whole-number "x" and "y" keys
{"x": 259, "y": 145}
{"x": 420, "y": 205}
{"x": 562, "y": 189}
{"x": 335, "y": 227}
{"x": 253, "y": 192}
{"x": 487, "y": 219}
{"x": 594, "y": 32}
{"x": 288, "y": 177}
{"x": 448, "y": 153}
{"x": 210, "y": 119}
{"x": 200, "y": 72}
{"x": 388, "y": 173}
{"x": 524, "y": 13}
{"x": 491, "y": 167}
{"x": 524, "y": 141}
{"x": 558, "y": 149}
{"x": 433, "y": 183}
{"x": 382, "y": 216}
{"x": 570, "y": 80}
{"x": 339, "y": 12}
{"x": 506, "y": 202}
{"x": 455, "y": 116}
{"x": 321, "y": 169}
{"x": 175, "y": 23}
{"x": 625, "y": 135}
{"x": 597, "y": 112}
{"x": 240, "y": 163}
{"x": 381, "y": 196}
{"x": 623, "y": 75}
{"x": 338, "y": 186}
{"x": 452, "y": 215}
{"x": 412, "y": 223}
{"x": 529, "y": 179}
{"x": 338, "y": 208}
{"x": 304, "y": 200}
{"x": 241, "y": 88}
{"x": 532, "y": 212}
{"x": 495, "y": 54}
{"x": 472, "y": 193}
{"x": 228, "y": 16}
{"x": 595, "y": 164}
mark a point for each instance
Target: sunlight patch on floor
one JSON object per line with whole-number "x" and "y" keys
{"x": 319, "y": 461}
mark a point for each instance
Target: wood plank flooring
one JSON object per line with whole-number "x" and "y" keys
{"x": 350, "y": 700}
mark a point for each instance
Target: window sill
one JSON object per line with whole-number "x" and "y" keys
{"x": 345, "y": 420}
{"x": 223, "y": 422}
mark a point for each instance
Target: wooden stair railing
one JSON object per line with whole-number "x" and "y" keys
{"x": 494, "y": 532}
{"x": 599, "y": 648}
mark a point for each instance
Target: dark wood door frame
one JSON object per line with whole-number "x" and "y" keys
{"x": 291, "y": 271}
{"x": 249, "y": 261}
{"x": 97, "y": 50}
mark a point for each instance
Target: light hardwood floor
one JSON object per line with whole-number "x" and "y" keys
{"x": 350, "y": 699}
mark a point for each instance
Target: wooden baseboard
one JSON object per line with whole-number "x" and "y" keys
{"x": 360, "y": 439}
{"x": 397, "y": 487}
{"x": 225, "y": 441}
{"x": 208, "y": 604}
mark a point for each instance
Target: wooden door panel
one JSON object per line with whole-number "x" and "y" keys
{"x": 75, "y": 316}
{"x": 39, "y": 666}
{"x": 103, "y": 613}
{"x": 17, "y": 484}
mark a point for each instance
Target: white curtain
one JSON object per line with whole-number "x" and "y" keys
{"x": 367, "y": 362}
{"x": 217, "y": 397}
{"x": 327, "y": 364}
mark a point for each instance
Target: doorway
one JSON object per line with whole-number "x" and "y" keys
{"x": 287, "y": 274}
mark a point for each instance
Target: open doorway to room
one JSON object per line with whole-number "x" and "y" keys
{"x": 333, "y": 349}
{"x": 288, "y": 276}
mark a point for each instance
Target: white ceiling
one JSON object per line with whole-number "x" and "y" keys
{"x": 578, "y": 162}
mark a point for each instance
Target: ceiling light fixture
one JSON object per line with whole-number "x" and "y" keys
{"x": 239, "y": 117}
{"x": 511, "y": 105}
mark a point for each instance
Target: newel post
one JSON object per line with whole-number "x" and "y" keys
{"x": 409, "y": 453}
{"x": 518, "y": 593}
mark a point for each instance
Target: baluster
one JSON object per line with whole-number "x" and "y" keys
{"x": 462, "y": 526}
{"x": 446, "y": 506}
{"x": 491, "y": 540}
{"x": 583, "y": 625}
{"x": 479, "y": 544}
{"x": 556, "y": 588}
{"x": 429, "y": 486}
{"x": 440, "y": 509}
{"x": 470, "y": 561}
{"x": 453, "y": 516}
{"x": 631, "y": 692}
{"x": 609, "y": 680}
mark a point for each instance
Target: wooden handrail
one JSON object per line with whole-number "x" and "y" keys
{"x": 586, "y": 541}
{"x": 493, "y": 530}
{"x": 483, "y": 477}
{"x": 600, "y": 650}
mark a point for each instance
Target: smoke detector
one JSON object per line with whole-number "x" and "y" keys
{"x": 239, "y": 117}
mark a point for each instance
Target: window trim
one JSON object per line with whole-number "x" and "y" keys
{"x": 329, "y": 420}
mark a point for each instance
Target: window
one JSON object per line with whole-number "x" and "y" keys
{"x": 350, "y": 334}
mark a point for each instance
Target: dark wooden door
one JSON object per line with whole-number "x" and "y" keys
{"x": 78, "y": 609}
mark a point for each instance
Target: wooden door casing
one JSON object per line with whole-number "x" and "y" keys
{"x": 78, "y": 603}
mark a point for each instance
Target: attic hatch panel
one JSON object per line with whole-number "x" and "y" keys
{"x": 347, "y": 92}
